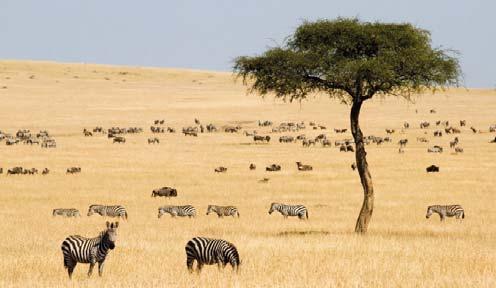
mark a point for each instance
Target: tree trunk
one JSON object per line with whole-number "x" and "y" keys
{"x": 363, "y": 169}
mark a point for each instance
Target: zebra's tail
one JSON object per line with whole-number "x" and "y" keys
{"x": 125, "y": 213}
{"x": 306, "y": 213}
{"x": 463, "y": 215}
{"x": 237, "y": 213}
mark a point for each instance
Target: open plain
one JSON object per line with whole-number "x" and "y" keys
{"x": 401, "y": 249}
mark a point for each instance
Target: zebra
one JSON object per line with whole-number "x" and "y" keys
{"x": 110, "y": 211}
{"x": 223, "y": 210}
{"x": 289, "y": 210}
{"x": 78, "y": 249}
{"x": 67, "y": 212}
{"x": 207, "y": 251}
{"x": 182, "y": 211}
{"x": 446, "y": 211}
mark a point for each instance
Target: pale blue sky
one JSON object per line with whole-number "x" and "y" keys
{"x": 206, "y": 34}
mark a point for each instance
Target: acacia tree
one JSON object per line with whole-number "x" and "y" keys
{"x": 352, "y": 61}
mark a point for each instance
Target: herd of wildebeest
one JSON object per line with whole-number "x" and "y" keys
{"x": 78, "y": 249}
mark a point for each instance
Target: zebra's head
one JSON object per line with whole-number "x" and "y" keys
{"x": 162, "y": 210}
{"x": 273, "y": 207}
{"x": 210, "y": 209}
{"x": 93, "y": 209}
{"x": 429, "y": 212}
{"x": 110, "y": 235}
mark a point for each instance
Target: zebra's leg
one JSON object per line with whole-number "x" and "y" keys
{"x": 442, "y": 216}
{"x": 90, "y": 271}
{"x": 189, "y": 264}
{"x": 70, "y": 268}
{"x": 199, "y": 267}
{"x": 100, "y": 268}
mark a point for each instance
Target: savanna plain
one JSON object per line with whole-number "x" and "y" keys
{"x": 401, "y": 249}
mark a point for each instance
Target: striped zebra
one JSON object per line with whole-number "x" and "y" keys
{"x": 110, "y": 211}
{"x": 223, "y": 210}
{"x": 207, "y": 251}
{"x": 78, "y": 249}
{"x": 289, "y": 210}
{"x": 182, "y": 211}
{"x": 67, "y": 212}
{"x": 446, "y": 211}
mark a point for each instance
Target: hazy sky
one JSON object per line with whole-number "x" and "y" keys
{"x": 210, "y": 34}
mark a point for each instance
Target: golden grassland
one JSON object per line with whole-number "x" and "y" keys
{"x": 402, "y": 248}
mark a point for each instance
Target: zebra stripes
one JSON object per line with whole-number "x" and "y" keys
{"x": 289, "y": 210}
{"x": 78, "y": 249}
{"x": 207, "y": 251}
{"x": 446, "y": 211}
{"x": 182, "y": 211}
{"x": 67, "y": 212}
{"x": 223, "y": 210}
{"x": 110, "y": 211}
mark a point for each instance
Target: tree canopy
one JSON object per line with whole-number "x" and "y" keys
{"x": 349, "y": 58}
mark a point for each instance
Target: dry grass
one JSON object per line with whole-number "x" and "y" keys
{"x": 402, "y": 248}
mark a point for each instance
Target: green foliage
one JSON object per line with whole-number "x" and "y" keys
{"x": 350, "y": 59}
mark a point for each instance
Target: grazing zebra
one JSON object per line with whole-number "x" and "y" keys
{"x": 289, "y": 210}
{"x": 446, "y": 211}
{"x": 223, "y": 210}
{"x": 207, "y": 251}
{"x": 110, "y": 211}
{"x": 182, "y": 211}
{"x": 67, "y": 212}
{"x": 78, "y": 249}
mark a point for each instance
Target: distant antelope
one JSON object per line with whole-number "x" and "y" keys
{"x": 302, "y": 167}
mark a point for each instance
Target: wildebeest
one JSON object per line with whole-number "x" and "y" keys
{"x": 424, "y": 125}
{"x": 463, "y": 123}
{"x": 220, "y": 169}
{"x": 438, "y": 133}
{"x": 435, "y": 149}
{"x": 264, "y": 123}
{"x": 190, "y": 131}
{"x": 119, "y": 139}
{"x": 326, "y": 143}
{"x": 153, "y": 140}
{"x": 261, "y": 138}
{"x": 164, "y": 192}
{"x": 286, "y": 139}
{"x": 390, "y": 131}
{"x": 454, "y": 142}
{"x": 253, "y": 166}
{"x": 273, "y": 168}
{"x": 340, "y": 130}
{"x": 302, "y": 167}
{"x": 45, "y": 171}
{"x": 474, "y": 130}
{"x": 87, "y": 133}
{"x": 422, "y": 139}
{"x": 308, "y": 142}
{"x": 403, "y": 142}
{"x": 231, "y": 129}
{"x": 73, "y": 170}
{"x": 459, "y": 150}
{"x": 353, "y": 166}
{"x": 432, "y": 168}
{"x": 406, "y": 125}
